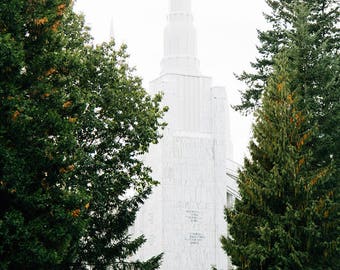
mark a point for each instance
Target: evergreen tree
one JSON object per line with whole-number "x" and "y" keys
{"x": 309, "y": 30}
{"x": 282, "y": 218}
{"x": 322, "y": 22}
{"x": 37, "y": 144}
{"x": 315, "y": 37}
{"x": 74, "y": 121}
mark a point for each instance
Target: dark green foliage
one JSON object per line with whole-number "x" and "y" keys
{"x": 74, "y": 122}
{"x": 282, "y": 220}
{"x": 307, "y": 33}
{"x": 315, "y": 38}
{"x": 322, "y": 22}
{"x": 115, "y": 140}
{"x": 36, "y": 139}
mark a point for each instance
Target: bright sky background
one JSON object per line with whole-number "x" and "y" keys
{"x": 227, "y": 40}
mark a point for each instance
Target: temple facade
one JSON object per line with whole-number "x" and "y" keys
{"x": 184, "y": 217}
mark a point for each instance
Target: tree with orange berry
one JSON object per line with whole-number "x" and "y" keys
{"x": 74, "y": 123}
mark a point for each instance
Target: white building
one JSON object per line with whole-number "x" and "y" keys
{"x": 184, "y": 217}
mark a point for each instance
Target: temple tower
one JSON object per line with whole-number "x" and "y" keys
{"x": 180, "y": 44}
{"x": 184, "y": 216}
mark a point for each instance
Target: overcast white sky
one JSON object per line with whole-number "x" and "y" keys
{"x": 227, "y": 41}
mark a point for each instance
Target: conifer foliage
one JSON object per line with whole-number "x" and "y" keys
{"x": 314, "y": 35}
{"x": 322, "y": 25}
{"x": 279, "y": 221}
{"x": 74, "y": 121}
{"x": 37, "y": 145}
{"x": 288, "y": 214}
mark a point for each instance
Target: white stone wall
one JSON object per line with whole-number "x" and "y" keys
{"x": 184, "y": 216}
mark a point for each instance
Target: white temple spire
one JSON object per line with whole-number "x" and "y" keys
{"x": 180, "y": 44}
{"x": 112, "y": 32}
{"x": 180, "y": 6}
